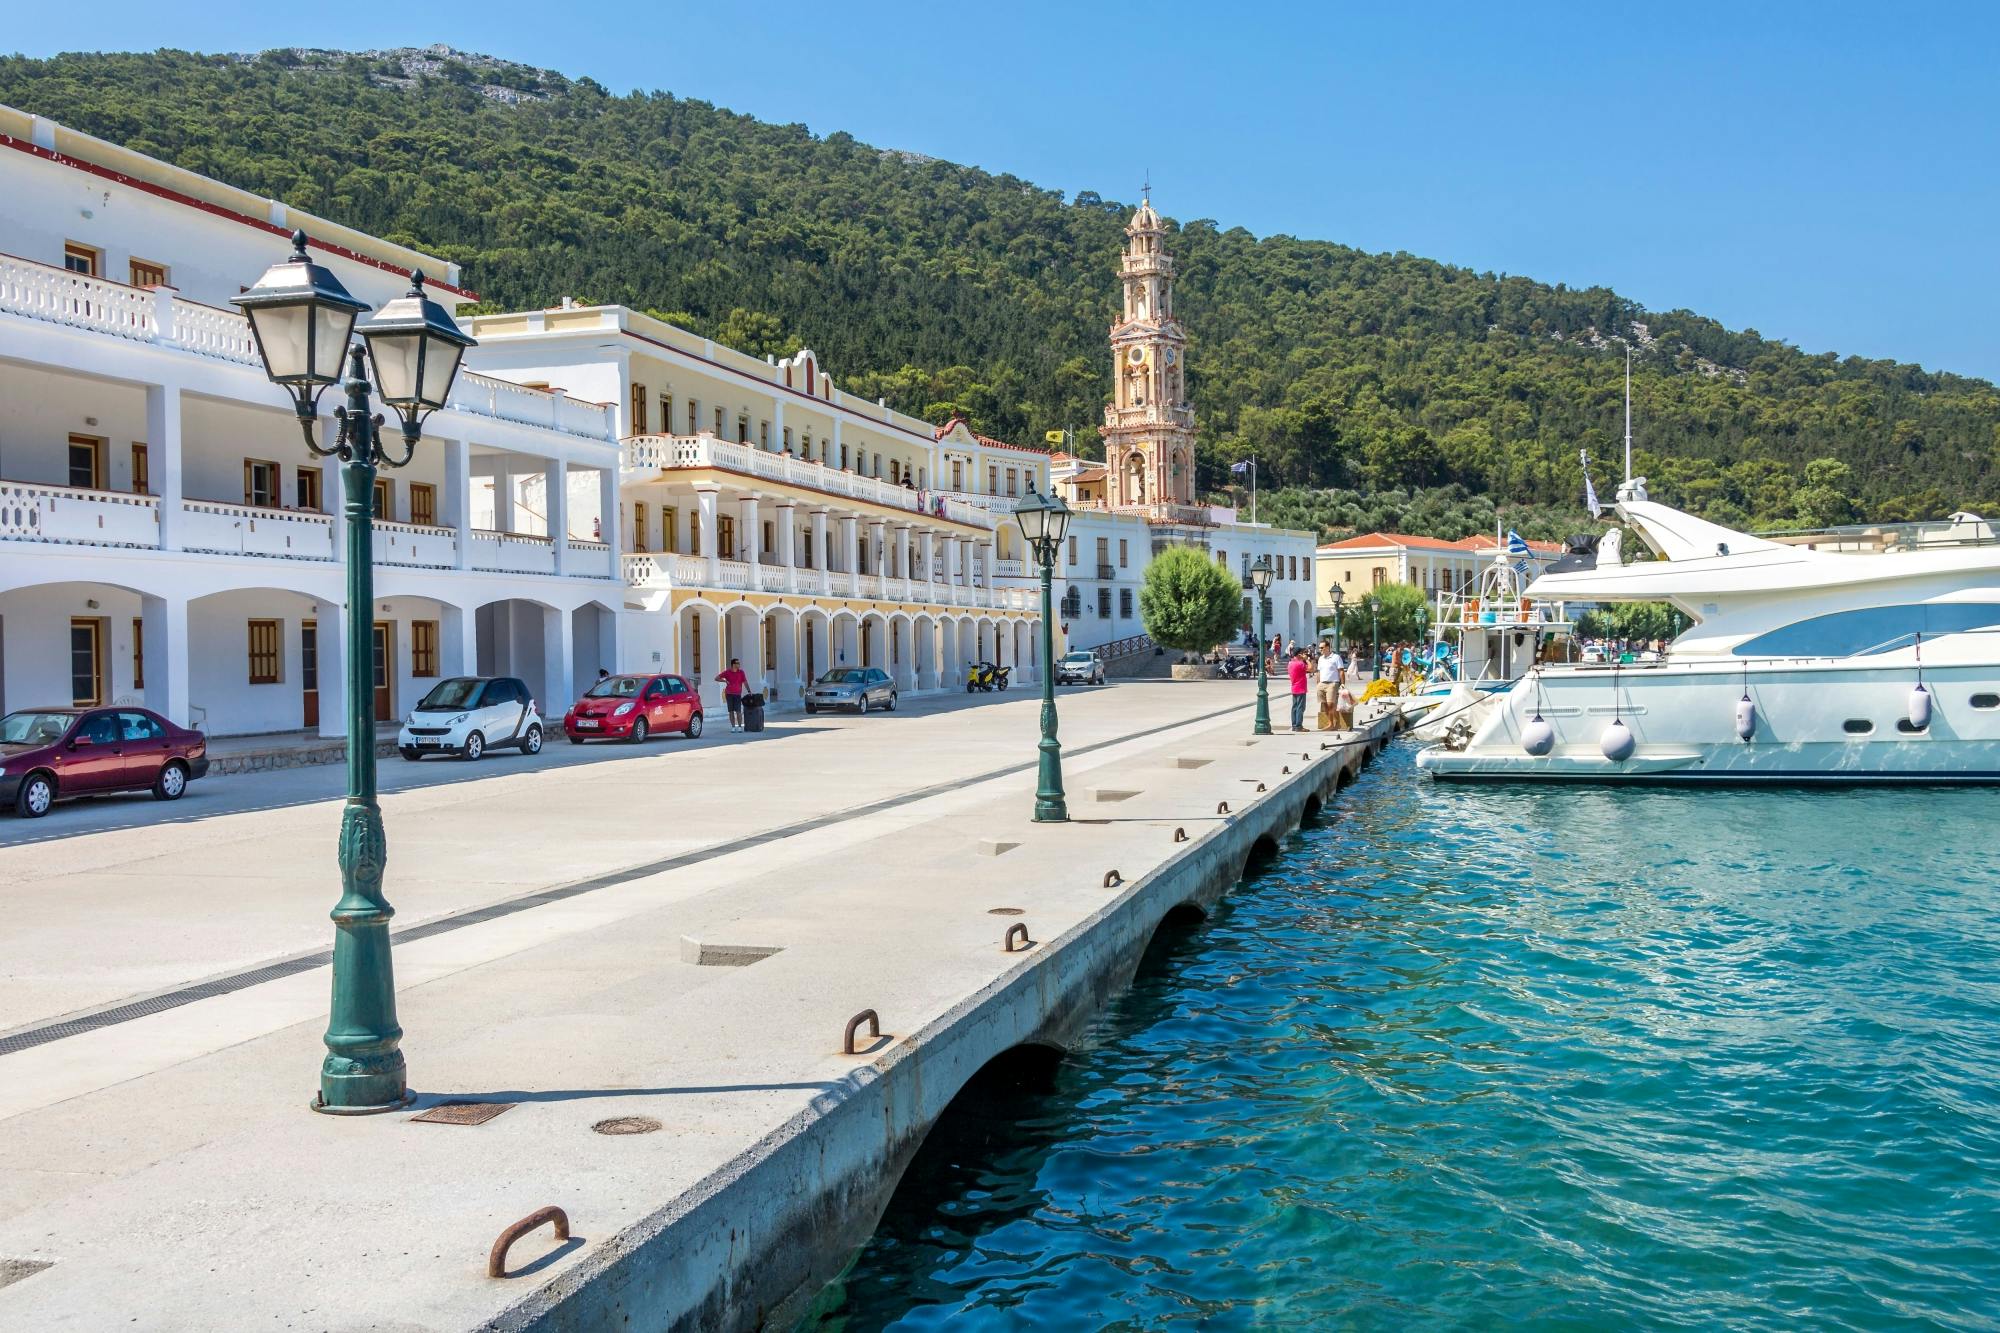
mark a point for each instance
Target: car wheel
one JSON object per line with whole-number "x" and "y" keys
{"x": 693, "y": 728}
{"x": 639, "y": 730}
{"x": 532, "y": 742}
{"x": 861, "y": 704}
{"x": 812, "y": 708}
{"x": 173, "y": 780}
{"x": 475, "y": 746}
{"x": 892, "y": 701}
{"x": 37, "y": 794}
{"x": 410, "y": 753}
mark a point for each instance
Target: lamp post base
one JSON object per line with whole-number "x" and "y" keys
{"x": 324, "y": 1107}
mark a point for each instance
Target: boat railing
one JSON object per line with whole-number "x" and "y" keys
{"x": 1887, "y": 538}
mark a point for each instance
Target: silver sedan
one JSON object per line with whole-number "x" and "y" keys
{"x": 859, "y": 688}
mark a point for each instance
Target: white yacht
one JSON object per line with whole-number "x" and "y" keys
{"x": 1869, "y": 655}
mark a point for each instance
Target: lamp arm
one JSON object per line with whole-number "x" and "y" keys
{"x": 413, "y": 431}
{"x": 308, "y": 415}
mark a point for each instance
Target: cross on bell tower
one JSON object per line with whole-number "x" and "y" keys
{"x": 1149, "y": 426}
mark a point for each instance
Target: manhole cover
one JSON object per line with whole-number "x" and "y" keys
{"x": 1003, "y": 911}
{"x": 463, "y": 1113}
{"x": 628, "y": 1124}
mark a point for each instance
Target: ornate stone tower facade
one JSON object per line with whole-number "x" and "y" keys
{"x": 1149, "y": 426}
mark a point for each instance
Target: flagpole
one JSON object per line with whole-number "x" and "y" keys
{"x": 1253, "y": 488}
{"x": 1628, "y": 411}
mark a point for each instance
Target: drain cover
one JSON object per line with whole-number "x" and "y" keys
{"x": 463, "y": 1113}
{"x": 628, "y": 1124}
{"x": 1003, "y": 911}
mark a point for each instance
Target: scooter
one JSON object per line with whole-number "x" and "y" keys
{"x": 1000, "y": 675}
{"x": 979, "y": 676}
{"x": 1241, "y": 667}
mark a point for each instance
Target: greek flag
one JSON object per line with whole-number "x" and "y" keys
{"x": 1589, "y": 491}
{"x": 1520, "y": 550}
{"x": 1239, "y": 468}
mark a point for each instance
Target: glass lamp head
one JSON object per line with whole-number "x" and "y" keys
{"x": 415, "y": 347}
{"x": 301, "y": 317}
{"x": 1260, "y": 574}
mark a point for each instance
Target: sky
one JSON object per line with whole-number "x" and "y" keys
{"x": 1824, "y": 173}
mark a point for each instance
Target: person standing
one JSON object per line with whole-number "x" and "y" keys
{"x": 734, "y": 682}
{"x": 1300, "y": 674}
{"x": 1332, "y": 670}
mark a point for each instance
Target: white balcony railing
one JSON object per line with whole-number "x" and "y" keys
{"x": 771, "y": 578}
{"x": 233, "y": 529}
{"x": 160, "y": 315}
{"x": 510, "y": 553}
{"x": 654, "y": 453}
{"x": 732, "y": 574}
{"x": 29, "y": 512}
{"x": 415, "y": 544}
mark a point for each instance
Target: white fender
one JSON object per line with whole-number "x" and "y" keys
{"x": 1538, "y": 737}
{"x": 1746, "y": 719}
{"x": 1617, "y": 742}
{"x": 1920, "y": 708}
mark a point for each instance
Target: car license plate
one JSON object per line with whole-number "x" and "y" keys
{"x": 586, "y": 724}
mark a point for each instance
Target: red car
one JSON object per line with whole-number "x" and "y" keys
{"x": 632, "y": 708}
{"x": 47, "y": 754}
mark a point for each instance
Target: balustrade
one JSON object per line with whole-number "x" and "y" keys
{"x": 510, "y": 553}
{"x": 235, "y": 529}
{"x": 29, "y": 512}
{"x": 415, "y": 544}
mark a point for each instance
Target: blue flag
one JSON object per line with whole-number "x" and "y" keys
{"x": 1239, "y": 467}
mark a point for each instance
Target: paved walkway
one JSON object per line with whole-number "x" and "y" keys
{"x": 166, "y": 1165}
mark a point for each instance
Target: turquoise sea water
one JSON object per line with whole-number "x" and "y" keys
{"x": 1481, "y": 1058}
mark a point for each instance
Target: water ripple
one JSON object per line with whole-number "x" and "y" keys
{"x": 1467, "y": 1058}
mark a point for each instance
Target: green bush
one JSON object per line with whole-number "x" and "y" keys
{"x": 1188, "y": 602}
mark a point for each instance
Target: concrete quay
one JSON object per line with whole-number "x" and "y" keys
{"x": 161, "y": 1171}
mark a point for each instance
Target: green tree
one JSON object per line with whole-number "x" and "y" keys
{"x": 1399, "y": 614}
{"x": 1188, "y": 602}
{"x": 1824, "y": 501}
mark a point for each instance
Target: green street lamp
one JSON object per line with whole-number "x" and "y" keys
{"x": 1260, "y": 579}
{"x": 1374, "y": 638}
{"x": 1339, "y": 595}
{"x": 1044, "y": 521}
{"x": 303, "y": 321}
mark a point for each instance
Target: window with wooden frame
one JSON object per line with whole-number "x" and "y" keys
{"x": 423, "y": 647}
{"x": 670, "y": 528}
{"x": 992, "y": 479}
{"x": 85, "y": 259}
{"x": 266, "y": 639}
{"x": 86, "y": 662}
{"x": 694, "y": 416}
{"x": 1122, "y": 552}
{"x": 423, "y": 503}
{"x": 718, "y": 423}
{"x": 638, "y": 409}
{"x": 694, "y": 644}
{"x": 385, "y": 499}
{"x": 666, "y": 414}
{"x": 763, "y": 435}
{"x": 86, "y": 462}
{"x": 725, "y": 537}
{"x": 307, "y": 489}
{"x": 640, "y": 541}
{"x": 769, "y": 546}
{"x": 138, "y": 653}
{"x": 261, "y": 480}
{"x": 142, "y": 470}
{"x": 145, "y": 273}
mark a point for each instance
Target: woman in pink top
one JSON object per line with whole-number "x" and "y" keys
{"x": 734, "y": 682}
{"x": 1300, "y": 673}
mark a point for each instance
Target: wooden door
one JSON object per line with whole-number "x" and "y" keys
{"x": 309, "y": 671}
{"x": 384, "y": 655}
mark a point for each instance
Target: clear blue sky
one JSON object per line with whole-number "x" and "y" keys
{"x": 1824, "y": 172}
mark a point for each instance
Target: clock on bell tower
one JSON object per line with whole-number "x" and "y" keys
{"x": 1149, "y": 426}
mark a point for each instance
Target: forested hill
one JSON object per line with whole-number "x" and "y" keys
{"x": 948, "y": 289}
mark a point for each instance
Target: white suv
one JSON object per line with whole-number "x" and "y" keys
{"x": 469, "y": 715}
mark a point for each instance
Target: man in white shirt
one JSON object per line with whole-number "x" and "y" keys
{"x": 1332, "y": 669}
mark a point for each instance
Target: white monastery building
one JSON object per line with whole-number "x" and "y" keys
{"x": 605, "y": 491}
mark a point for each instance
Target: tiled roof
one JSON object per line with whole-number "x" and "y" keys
{"x": 1372, "y": 541}
{"x": 986, "y": 440}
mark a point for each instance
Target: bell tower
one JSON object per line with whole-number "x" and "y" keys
{"x": 1149, "y": 426}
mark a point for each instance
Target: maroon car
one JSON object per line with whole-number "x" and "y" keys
{"x": 47, "y": 754}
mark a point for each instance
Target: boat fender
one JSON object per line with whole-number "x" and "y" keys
{"x": 1746, "y": 719}
{"x": 1920, "y": 708}
{"x": 1616, "y": 742}
{"x": 1538, "y": 737}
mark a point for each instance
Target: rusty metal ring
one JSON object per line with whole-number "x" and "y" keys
{"x": 1180, "y": 835}
{"x": 1112, "y": 879}
{"x": 1007, "y": 943}
{"x": 1222, "y": 807}
{"x": 874, "y": 1029}
{"x": 496, "y": 1259}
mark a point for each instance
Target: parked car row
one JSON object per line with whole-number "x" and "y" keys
{"x": 50, "y": 754}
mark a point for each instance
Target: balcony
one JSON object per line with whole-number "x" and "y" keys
{"x": 237, "y": 529}
{"x": 415, "y": 544}
{"x": 645, "y": 457}
{"x": 510, "y": 553}
{"x": 159, "y": 316}
{"x": 96, "y": 518}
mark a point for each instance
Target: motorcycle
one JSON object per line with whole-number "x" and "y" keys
{"x": 1000, "y": 675}
{"x": 1242, "y": 667}
{"x": 979, "y": 676}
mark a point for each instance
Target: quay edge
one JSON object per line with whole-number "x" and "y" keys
{"x": 758, "y": 1238}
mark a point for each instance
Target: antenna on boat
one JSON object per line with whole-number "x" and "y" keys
{"x": 1628, "y": 411}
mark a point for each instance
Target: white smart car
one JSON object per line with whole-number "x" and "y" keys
{"x": 469, "y": 715}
